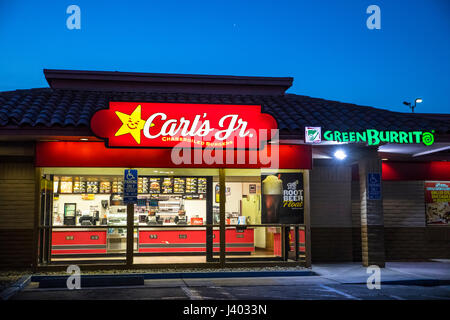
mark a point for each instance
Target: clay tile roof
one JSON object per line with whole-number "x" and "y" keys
{"x": 47, "y": 107}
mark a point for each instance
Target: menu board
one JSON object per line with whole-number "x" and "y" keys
{"x": 92, "y": 187}
{"x": 191, "y": 185}
{"x": 167, "y": 185}
{"x": 66, "y": 185}
{"x": 179, "y": 185}
{"x": 117, "y": 187}
{"x": 143, "y": 185}
{"x": 437, "y": 200}
{"x": 155, "y": 185}
{"x": 146, "y": 185}
{"x": 201, "y": 185}
{"x": 79, "y": 185}
{"x": 105, "y": 187}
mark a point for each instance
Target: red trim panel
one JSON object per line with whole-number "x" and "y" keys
{"x": 95, "y": 154}
{"x": 86, "y": 251}
{"x": 409, "y": 171}
{"x": 80, "y": 241}
{"x": 194, "y": 241}
{"x": 245, "y": 239}
{"x": 301, "y": 240}
{"x": 436, "y": 170}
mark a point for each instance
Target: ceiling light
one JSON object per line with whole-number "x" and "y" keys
{"x": 340, "y": 154}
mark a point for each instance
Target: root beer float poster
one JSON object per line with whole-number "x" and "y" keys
{"x": 282, "y": 198}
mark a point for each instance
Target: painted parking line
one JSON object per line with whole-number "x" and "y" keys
{"x": 222, "y": 291}
{"x": 173, "y": 298}
{"x": 191, "y": 293}
{"x": 349, "y": 296}
{"x": 396, "y": 297}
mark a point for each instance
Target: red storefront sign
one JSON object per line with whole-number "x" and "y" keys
{"x": 95, "y": 154}
{"x": 162, "y": 125}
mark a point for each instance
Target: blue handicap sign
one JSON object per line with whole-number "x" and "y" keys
{"x": 374, "y": 186}
{"x": 130, "y": 186}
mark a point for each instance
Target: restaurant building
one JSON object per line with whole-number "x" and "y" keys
{"x": 115, "y": 169}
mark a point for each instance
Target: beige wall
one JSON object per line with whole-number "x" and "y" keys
{"x": 17, "y": 192}
{"x": 331, "y": 213}
{"x": 17, "y": 198}
{"x": 404, "y": 203}
{"x": 331, "y": 197}
{"x": 406, "y": 235}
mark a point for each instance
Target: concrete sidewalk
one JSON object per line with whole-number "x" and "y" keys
{"x": 354, "y": 272}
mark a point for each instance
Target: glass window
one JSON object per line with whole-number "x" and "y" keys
{"x": 173, "y": 215}
{"x": 261, "y": 205}
{"x": 177, "y": 215}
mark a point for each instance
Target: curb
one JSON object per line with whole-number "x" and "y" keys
{"x": 229, "y": 274}
{"x": 185, "y": 275}
{"x": 92, "y": 280}
{"x": 412, "y": 282}
{"x": 18, "y": 286}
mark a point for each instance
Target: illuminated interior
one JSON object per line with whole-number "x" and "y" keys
{"x": 174, "y": 210}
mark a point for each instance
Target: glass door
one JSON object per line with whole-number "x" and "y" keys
{"x": 173, "y": 216}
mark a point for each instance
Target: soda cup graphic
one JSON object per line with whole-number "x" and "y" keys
{"x": 272, "y": 190}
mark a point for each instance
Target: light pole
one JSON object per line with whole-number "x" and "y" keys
{"x": 409, "y": 104}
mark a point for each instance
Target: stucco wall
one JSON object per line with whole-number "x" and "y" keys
{"x": 331, "y": 219}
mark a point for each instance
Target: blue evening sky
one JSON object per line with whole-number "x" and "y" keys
{"x": 324, "y": 45}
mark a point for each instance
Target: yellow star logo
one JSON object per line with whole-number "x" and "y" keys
{"x": 132, "y": 124}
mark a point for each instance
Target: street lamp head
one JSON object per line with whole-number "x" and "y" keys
{"x": 410, "y": 105}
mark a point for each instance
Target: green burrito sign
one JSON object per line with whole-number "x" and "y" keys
{"x": 370, "y": 136}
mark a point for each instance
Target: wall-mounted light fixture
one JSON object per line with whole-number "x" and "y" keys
{"x": 340, "y": 154}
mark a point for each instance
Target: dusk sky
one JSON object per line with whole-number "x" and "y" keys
{"x": 325, "y": 45}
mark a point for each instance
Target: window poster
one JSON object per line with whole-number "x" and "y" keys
{"x": 282, "y": 198}
{"x": 437, "y": 202}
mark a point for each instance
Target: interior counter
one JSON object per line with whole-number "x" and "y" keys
{"x": 154, "y": 240}
{"x": 79, "y": 241}
{"x": 166, "y": 240}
